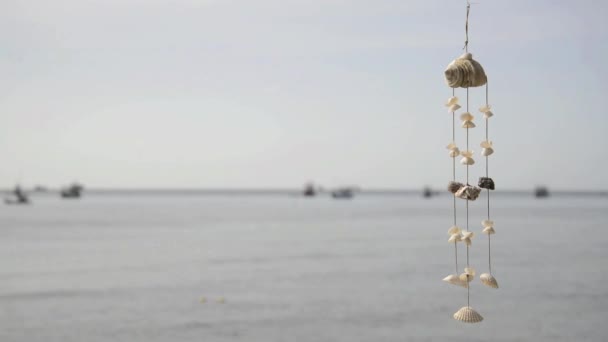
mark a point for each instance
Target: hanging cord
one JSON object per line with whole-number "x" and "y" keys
{"x": 466, "y": 29}
{"x": 454, "y": 179}
{"x": 488, "y": 190}
{"x": 468, "y": 291}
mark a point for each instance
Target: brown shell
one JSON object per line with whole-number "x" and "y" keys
{"x": 465, "y": 72}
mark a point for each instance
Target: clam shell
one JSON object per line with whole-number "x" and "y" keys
{"x": 451, "y": 101}
{"x": 454, "y": 152}
{"x": 489, "y": 230}
{"x": 485, "y": 108}
{"x": 488, "y": 115}
{"x": 455, "y": 238}
{"x": 466, "y": 116}
{"x": 487, "y": 151}
{"x": 466, "y": 278}
{"x": 455, "y": 280}
{"x": 466, "y": 153}
{"x": 465, "y": 72}
{"x": 453, "y": 187}
{"x": 468, "y": 192}
{"x": 467, "y": 241}
{"x": 467, "y": 161}
{"x": 452, "y": 146}
{"x": 453, "y": 230}
{"x": 485, "y": 144}
{"x": 454, "y": 108}
{"x": 488, "y": 280}
{"x": 468, "y": 315}
{"x": 469, "y": 271}
{"x": 487, "y": 223}
{"x": 468, "y": 124}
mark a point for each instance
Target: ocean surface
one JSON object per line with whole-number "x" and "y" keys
{"x": 277, "y": 267}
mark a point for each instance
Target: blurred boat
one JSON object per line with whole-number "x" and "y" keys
{"x": 427, "y": 192}
{"x": 309, "y": 190}
{"x": 541, "y": 192}
{"x": 343, "y": 193}
{"x": 18, "y": 197}
{"x": 72, "y": 191}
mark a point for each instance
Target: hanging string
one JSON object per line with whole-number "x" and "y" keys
{"x": 466, "y": 29}
{"x": 454, "y": 179}
{"x": 488, "y": 190}
{"x": 468, "y": 290}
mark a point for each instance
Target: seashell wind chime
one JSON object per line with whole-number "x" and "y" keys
{"x": 465, "y": 72}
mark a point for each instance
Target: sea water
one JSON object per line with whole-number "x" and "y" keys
{"x": 277, "y": 267}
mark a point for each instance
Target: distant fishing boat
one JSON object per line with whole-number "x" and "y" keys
{"x": 309, "y": 190}
{"x": 18, "y": 197}
{"x": 541, "y": 192}
{"x": 343, "y": 193}
{"x": 72, "y": 191}
{"x": 427, "y": 192}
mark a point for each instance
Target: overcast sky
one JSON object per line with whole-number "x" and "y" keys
{"x": 274, "y": 93}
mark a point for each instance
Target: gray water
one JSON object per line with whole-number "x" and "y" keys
{"x": 136, "y": 268}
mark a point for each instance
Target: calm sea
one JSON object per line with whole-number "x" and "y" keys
{"x": 274, "y": 267}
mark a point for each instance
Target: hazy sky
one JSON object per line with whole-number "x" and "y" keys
{"x": 273, "y": 93}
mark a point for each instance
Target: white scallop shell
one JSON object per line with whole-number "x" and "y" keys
{"x": 487, "y": 223}
{"x": 485, "y": 108}
{"x": 455, "y": 280}
{"x": 454, "y": 230}
{"x": 468, "y": 124}
{"x": 454, "y": 108}
{"x": 454, "y": 152}
{"x": 470, "y": 271}
{"x": 466, "y": 116}
{"x": 455, "y": 238}
{"x": 485, "y": 144}
{"x": 468, "y": 315}
{"x": 488, "y": 280}
{"x": 466, "y": 278}
{"x": 467, "y": 234}
{"x": 465, "y": 72}
{"x": 487, "y": 151}
{"x": 451, "y": 101}
{"x": 488, "y": 115}
{"x": 467, "y": 161}
{"x": 488, "y": 230}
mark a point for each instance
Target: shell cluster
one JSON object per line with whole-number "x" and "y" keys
{"x": 468, "y": 315}
{"x": 465, "y": 72}
{"x": 458, "y": 235}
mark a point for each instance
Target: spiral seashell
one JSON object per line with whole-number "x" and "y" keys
{"x": 487, "y": 223}
{"x": 468, "y": 315}
{"x": 468, "y": 192}
{"x": 455, "y": 238}
{"x": 453, "y": 230}
{"x": 488, "y": 280}
{"x": 468, "y": 124}
{"x": 489, "y": 230}
{"x": 488, "y": 115}
{"x": 455, "y": 280}
{"x": 454, "y": 108}
{"x": 465, "y": 72}
{"x": 487, "y": 151}
{"x": 466, "y": 116}
{"x": 451, "y": 101}
{"x": 453, "y": 187}
{"x": 485, "y": 108}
